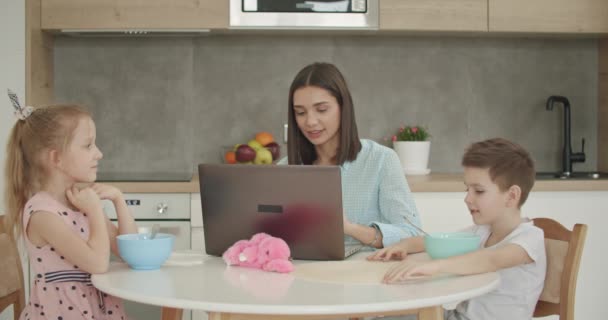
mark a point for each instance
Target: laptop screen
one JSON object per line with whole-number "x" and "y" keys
{"x": 299, "y": 204}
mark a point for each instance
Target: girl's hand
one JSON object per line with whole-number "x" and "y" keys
{"x": 86, "y": 200}
{"x": 411, "y": 271}
{"x": 398, "y": 251}
{"x": 105, "y": 191}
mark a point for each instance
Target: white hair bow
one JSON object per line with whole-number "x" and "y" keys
{"x": 20, "y": 112}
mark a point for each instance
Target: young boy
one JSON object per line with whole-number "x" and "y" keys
{"x": 498, "y": 176}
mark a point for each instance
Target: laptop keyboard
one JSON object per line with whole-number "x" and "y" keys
{"x": 349, "y": 250}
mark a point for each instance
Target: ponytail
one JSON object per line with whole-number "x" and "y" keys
{"x": 17, "y": 183}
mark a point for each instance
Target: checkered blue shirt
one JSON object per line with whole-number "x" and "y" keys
{"x": 375, "y": 191}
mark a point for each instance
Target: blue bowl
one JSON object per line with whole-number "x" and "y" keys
{"x": 142, "y": 253}
{"x": 442, "y": 245}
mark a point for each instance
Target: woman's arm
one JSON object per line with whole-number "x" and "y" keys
{"x": 380, "y": 180}
{"x": 367, "y": 235}
{"x": 396, "y": 202}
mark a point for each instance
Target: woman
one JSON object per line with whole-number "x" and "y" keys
{"x": 322, "y": 131}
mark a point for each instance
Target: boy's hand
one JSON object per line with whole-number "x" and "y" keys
{"x": 86, "y": 200}
{"x": 411, "y": 271}
{"x": 398, "y": 251}
{"x": 105, "y": 191}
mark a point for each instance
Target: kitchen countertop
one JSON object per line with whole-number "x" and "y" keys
{"x": 434, "y": 182}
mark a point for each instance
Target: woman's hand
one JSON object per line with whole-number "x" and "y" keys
{"x": 85, "y": 200}
{"x": 398, "y": 251}
{"x": 411, "y": 271}
{"x": 348, "y": 226}
{"x": 105, "y": 191}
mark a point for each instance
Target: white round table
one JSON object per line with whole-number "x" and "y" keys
{"x": 349, "y": 288}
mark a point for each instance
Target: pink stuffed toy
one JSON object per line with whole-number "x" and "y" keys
{"x": 262, "y": 251}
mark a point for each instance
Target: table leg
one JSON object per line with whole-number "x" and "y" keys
{"x": 431, "y": 313}
{"x": 171, "y": 314}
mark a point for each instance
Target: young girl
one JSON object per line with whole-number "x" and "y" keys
{"x": 67, "y": 235}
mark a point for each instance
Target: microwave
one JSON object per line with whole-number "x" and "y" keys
{"x": 302, "y": 14}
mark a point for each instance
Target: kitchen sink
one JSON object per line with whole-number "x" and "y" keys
{"x": 591, "y": 175}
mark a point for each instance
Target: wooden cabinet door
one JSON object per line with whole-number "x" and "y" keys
{"x": 602, "y": 112}
{"x": 434, "y": 15}
{"x": 134, "y": 14}
{"x": 562, "y": 16}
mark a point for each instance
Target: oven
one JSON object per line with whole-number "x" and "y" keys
{"x": 172, "y": 212}
{"x": 304, "y": 14}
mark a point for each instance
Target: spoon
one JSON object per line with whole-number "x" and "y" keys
{"x": 154, "y": 231}
{"x": 415, "y": 226}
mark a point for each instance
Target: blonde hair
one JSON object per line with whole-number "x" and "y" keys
{"x": 46, "y": 128}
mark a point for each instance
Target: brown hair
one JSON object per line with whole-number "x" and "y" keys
{"x": 46, "y": 128}
{"x": 328, "y": 77}
{"x": 509, "y": 164}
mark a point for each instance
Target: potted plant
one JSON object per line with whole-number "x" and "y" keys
{"x": 413, "y": 147}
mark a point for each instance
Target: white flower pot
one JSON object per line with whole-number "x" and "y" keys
{"x": 414, "y": 156}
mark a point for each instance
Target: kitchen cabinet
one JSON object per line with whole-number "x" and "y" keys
{"x": 134, "y": 14}
{"x": 559, "y": 16}
{"x": 434, "y": 15}
{"x": 446, "y": 211}
{"x": 602, "y": 112}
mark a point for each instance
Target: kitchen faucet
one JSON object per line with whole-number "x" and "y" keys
{"x": 567, "y": 156}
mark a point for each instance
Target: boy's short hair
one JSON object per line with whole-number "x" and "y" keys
{"x": 509, "y": 164}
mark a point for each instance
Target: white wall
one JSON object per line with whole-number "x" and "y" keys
{"x": 12, "y": 70}
{"x": 12, "y": 75}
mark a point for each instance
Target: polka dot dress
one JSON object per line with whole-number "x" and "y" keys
{"x": 60, "y": 290}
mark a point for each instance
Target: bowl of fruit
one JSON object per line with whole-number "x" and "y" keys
{"x": 260, "y": 150}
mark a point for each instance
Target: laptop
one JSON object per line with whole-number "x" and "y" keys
{"x": 299, "y": 204}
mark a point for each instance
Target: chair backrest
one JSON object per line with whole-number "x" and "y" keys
{"x": 564, "y": 249}
{"x": 12, "y": 290}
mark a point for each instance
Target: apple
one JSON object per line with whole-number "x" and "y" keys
{"x": 263, "y": 156}
{"x": 245, "y": 153}
{"x": 274, "y": 149}
{"x": 255, "y": 144}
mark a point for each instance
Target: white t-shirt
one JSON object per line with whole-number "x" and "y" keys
{"x": 520, "y": 286}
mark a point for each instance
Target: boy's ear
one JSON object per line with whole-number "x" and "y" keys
{"x": 513, "y": 196}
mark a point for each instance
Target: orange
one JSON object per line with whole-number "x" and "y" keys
{"x": 264, "y": 138}
{"x": 230, "y": 157}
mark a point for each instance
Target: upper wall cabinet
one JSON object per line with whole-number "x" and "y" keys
{"x": 558, "y": 16}
{"x": 434, "y": 15}
{"x": 134, "y": 14}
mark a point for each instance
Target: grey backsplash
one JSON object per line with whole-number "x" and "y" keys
{"x": 167, "y": 104}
